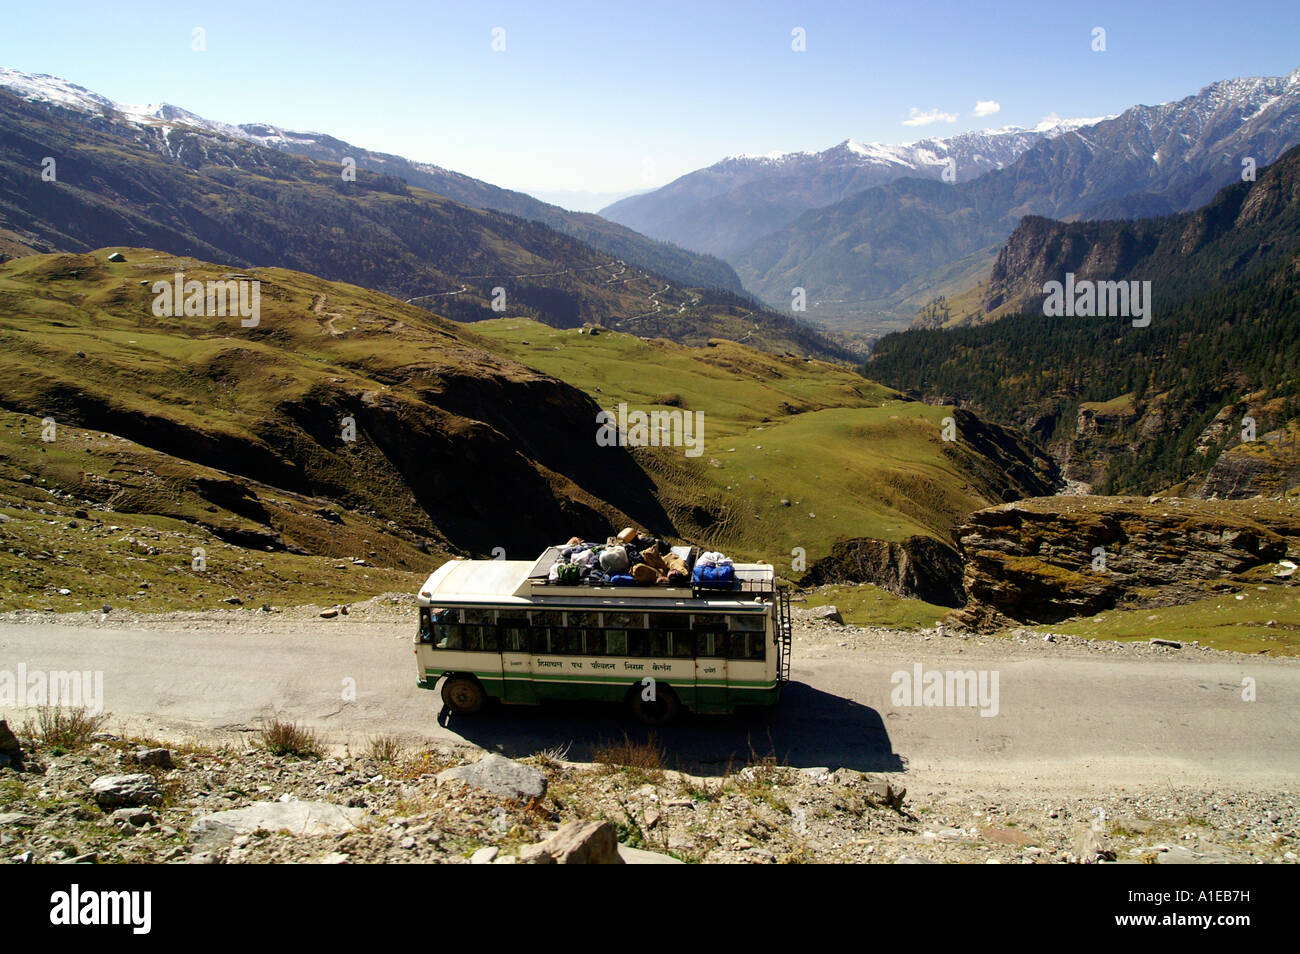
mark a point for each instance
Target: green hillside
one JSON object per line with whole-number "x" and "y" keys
{"x": 851, "y": 457}
{"x": 179, "y": 432}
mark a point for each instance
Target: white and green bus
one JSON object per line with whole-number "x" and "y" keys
{"x": 499, "y": 629}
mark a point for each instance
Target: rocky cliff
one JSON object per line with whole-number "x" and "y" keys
{"x": 919, "y": 567}
{"x": 1048, "y": 559}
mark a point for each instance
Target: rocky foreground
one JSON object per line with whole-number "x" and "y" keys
{"x": 134, "y": 801}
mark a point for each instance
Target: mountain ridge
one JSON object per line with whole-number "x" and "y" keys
{"x": 863, "y": 251}
{"x": 660, "y": 257}
{"x": 730, "y": 201}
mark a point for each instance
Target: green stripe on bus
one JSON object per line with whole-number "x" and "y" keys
{"x": 604, "y": 680}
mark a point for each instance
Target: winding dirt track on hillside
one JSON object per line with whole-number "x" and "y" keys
{"x": 1078, "y": 719}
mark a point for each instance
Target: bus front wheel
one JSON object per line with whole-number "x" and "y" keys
{"x": 463, "y": 695}
{"x": 660, "y": 710}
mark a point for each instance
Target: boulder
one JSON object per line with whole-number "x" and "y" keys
{"x": 298, "y": 818}
{"x": 125, "y": 791}
{"x": 500, "y": 776}
{"x": 159, "y": 758}
{"x": 11, "y": 753}
{"x": 577, "y": 843}
{"x": 830, "y": 614}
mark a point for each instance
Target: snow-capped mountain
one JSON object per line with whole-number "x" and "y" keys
{"x": 43, "y": 88}
{"x": 877, "y": 251}
{"x": 160, "y": 119}
{"x": 728, "y": 205}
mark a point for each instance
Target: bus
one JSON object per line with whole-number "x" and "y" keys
{"x": 498, "y": 629}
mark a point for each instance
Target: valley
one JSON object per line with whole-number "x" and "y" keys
{"x": 1037, "y": 563}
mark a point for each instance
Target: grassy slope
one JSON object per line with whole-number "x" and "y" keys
{"x": 76, "y": 333}
{"x": 63, "y": 540}
{"x": 1231, "y": 622}
{"x": 850, "y": 456}
{"x": 868, "y": 605}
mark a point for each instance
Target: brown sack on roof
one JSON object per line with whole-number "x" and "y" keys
{"x": 646, "y": 575}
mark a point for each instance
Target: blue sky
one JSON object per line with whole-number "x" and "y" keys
{"x": 613, "y": 97}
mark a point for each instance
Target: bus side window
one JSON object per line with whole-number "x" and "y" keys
{"x": 658, "y": 644}
{"x": 746, "y": 646}
{"x": 683, "y": 644}
{"x": 638, "y": 642}
{"x": 615, "y": 642}
{"x": 447, "y": 636}
{"x": 566, "y": 641}
{"x": 539, "y": 641}
{"x": 471, "y": 637}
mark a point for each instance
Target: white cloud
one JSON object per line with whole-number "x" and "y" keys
{"x": 917, "y": 118}
{"x": 987, "y": 107}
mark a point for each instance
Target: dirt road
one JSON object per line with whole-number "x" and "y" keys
{"x": 1067, "y": 716}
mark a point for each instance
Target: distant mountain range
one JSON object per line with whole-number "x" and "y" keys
{"x": 725, "y": 207}
{"x": 161, "y": 177}
{"x": 868, "y": 259}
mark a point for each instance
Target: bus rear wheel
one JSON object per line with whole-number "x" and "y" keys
{"x": 660, "y": 710}
{"x": 463, "y": 695}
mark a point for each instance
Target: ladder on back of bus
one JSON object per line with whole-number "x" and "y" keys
{"x": 785, "y": 633}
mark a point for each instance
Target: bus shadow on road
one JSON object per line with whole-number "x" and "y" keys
{"x": 807, "y": 728}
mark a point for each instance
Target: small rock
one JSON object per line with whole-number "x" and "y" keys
{"x": 158, "y": 758}
{"x": 114, "y": 791}
{"x": 1166, "y": 642}
{"x": 484, "y": 856}
{"x": 329, "y": 613}
{"x": 1091, "y": 847}
{"x": 133, "y": 818}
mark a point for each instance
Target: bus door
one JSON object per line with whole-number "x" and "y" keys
{"x": 711, "y": 642}
{"x": 516, "y": 663}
